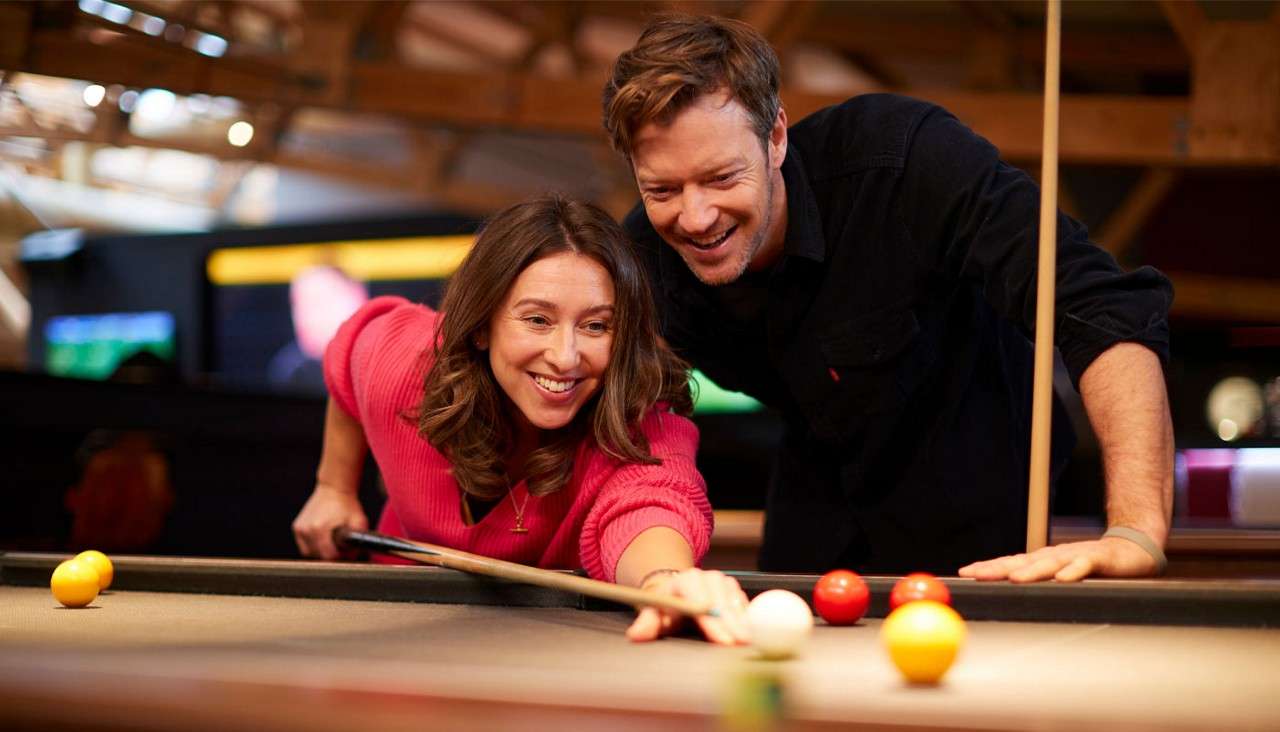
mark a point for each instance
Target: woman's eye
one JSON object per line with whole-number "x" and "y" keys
{"x": 538, "y": 320}
{"x": 597, "y": 327}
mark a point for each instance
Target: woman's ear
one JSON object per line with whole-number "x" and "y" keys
{"x": 481, "y": 339}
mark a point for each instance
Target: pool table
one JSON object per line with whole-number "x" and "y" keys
{"x": 212, "y": 644}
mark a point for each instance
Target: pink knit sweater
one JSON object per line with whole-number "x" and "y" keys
{"x": 374, "y": 368}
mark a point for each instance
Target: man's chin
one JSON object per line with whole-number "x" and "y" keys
{"x": 720, "y": 273}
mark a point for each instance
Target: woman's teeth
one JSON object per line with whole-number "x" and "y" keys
{"x": 556, "y": 386}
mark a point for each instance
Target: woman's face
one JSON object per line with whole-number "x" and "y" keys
{"x": 549, "y": 340}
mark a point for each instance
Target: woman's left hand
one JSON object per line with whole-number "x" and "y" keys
{"x": 720, "y": 591}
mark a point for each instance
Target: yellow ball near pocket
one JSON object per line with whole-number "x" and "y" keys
{"x": 101, "y": 564}
{"x": 923, "y": 638}
{"x": 74, "y": 583}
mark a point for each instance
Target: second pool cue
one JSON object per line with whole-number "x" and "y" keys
{"x": 1042, "y": 387}
{"x": 476, "y": 564}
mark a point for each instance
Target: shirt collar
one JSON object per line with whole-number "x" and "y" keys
{"x": 804, "y": 223}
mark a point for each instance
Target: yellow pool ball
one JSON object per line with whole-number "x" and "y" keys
{"x": 74, "y": 583}
{"x": 101, "y": 564}
{"x": 923, "y": 638}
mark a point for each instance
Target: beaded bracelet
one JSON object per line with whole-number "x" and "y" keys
{"x": 1142, "y": 540}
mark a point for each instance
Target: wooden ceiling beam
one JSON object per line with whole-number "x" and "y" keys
{"x": 1121, "y": 228}
{"x": 1187, "y": 19}
{"x": 1235, "y": 83}
{"x": 1235, "y": 299}
{"x": 377, "y": 39}
{"x": 1095, "y": 128}
{"x": 1093, "y": 50}
{"x": 15, "y": 31}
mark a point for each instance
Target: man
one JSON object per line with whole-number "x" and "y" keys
{"x": 870, "y": 273}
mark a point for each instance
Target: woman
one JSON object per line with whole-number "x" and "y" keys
{"x": 536, "y": 419}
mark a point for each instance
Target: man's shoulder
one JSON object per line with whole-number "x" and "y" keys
{"x": 869, "y": 130}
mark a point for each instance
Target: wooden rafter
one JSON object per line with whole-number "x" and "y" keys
{"x": 557, "y": 24}
{"x": 793, "y": 26}
{"x": 1096, "y": 128}
{"x": 1139, "y": 50}
{"x": 994, "y": 54}
{"x": 1187, "y": 19}
{"x": 1121, "y": 228}
{"x": 475, "y": 50}
{"x": 377, "y": 39}
{"x": 1237, "y": 299}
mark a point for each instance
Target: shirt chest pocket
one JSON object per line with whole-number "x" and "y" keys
{"x": 873, "y": 363}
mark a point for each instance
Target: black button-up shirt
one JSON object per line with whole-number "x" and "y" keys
{"x": 895, "y": 341}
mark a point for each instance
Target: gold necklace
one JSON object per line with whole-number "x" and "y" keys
{"x": 519, "y": 511}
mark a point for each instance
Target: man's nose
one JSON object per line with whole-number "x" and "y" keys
{"x": 698, "y": 214}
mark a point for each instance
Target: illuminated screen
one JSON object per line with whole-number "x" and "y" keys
{"x": 275, "y": 308}
{"x": 93, "y": 346}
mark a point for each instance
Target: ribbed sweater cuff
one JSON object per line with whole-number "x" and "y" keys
{"x": 615, "y": 539}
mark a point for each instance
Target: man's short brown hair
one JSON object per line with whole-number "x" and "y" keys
{"x": 677, "y": 59}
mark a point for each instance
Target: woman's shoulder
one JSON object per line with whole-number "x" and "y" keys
{"x": 669, "y": 432}
{"x": 390, "y": 322}
{"x": 383, "y": 344}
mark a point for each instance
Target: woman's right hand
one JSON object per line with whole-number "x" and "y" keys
{"x": 326, "y": 509}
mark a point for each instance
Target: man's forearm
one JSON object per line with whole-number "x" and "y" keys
{"x": 1124, "y": 394}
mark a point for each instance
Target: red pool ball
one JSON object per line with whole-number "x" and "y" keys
{"x": 841, "y": 597}
{"x": 919, "y": 586}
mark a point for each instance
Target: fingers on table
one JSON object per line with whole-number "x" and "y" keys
{"x": 995, "y": 569}
{"x": 714, "y": 589}
{"x": 648, "y": 625}
{"x": 723, "y": 593}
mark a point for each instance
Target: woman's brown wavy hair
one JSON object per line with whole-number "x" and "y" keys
{"x": 465, "y": 414}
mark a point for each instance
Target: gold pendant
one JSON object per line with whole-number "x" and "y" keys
{"x": 518, "y": 529}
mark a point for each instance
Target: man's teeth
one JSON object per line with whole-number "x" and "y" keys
{"x": 706, "y": 243}
{"x": 550, "y": 385}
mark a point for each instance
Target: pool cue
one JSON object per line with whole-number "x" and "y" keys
{"x": 475, "y": 564}
{"x": 1042, "y": 388}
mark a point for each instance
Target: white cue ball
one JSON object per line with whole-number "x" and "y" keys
{"x": 780, "y": 623}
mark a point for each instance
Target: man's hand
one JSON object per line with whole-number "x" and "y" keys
{"x": 714, "y": 588}
{"x": 1107, "y": 557}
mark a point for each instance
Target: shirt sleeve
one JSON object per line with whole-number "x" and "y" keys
{"x": 637, "y": 497}
{"x": 346, "y": 358}
{"x": 975, "y": 216}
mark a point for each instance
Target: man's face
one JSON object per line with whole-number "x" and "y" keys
{"x": 711, "y": 190}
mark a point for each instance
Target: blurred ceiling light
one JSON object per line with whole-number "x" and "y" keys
{"x": 240, "y": 133}
{"x": 128, "y": 101}
{"x": 115, "y": 13}
{"x": 211, "y": 45}
{"x": 155, "y": 105}
{"x": 152, "y": 26}
{"x": 92, "y": 7}
{"x": 198, "y": 103}
{"x": 1228, "y": 430}
{"x": 94, "y": 94}
{"x": 1234, "y": 407}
